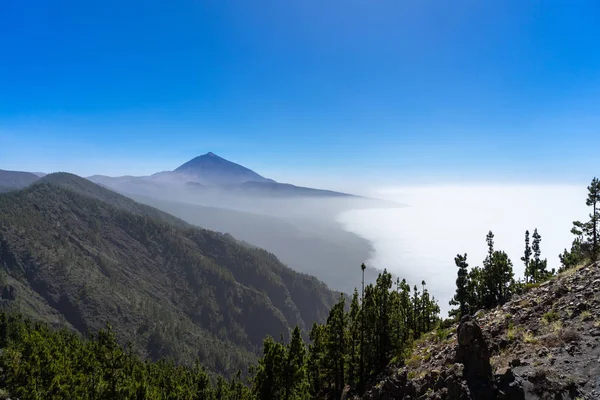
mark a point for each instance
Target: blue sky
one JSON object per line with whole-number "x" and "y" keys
{"x": 378, "y": 91}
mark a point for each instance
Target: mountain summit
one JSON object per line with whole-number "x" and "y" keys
{"x": 210, "y": 168}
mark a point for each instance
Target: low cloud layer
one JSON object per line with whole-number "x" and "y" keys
{"x": 420, "y": 241}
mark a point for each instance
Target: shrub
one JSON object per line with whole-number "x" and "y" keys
{"x": 570, "y": 335}
{"x": 550, "y": 316}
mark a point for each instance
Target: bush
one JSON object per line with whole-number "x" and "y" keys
{"x": 550, "y": 316}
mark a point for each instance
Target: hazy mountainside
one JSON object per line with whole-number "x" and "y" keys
{"x": 298, "y": 224}
{"x": 13, "y": 180}
{"x": 210, "y": 176}
{"x": 74, "y": 253}
{"x": 544, "y": 344}
{"x": 283, "y": 189}
{"x": 325, "y": 251}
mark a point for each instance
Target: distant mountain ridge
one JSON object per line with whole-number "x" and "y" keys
{"x": 211, "y": 174}
{"x": 210, "y": 168}
{"x": 13, "y": 180}
{"x": 208, "y": 172}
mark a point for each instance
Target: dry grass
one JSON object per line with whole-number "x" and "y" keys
{"x": 415, "y": 360}
{"x": 572, "y": 271}
{"x": 569, "y": 335}
{"x": 523, "y": 302}
{"x": 586, "y": 316}
{"x": 529, "y": 338}
{"x": 552, "y": 340}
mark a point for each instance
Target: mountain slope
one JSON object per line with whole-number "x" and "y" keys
{"x": 89, "y": 189}
{"x": 13, "y": 180}
{"x": 544, "y": 344}
{"x": 210, "y": 168}
{"x": 303, "y": 246}
{"x": 169, "y": 289}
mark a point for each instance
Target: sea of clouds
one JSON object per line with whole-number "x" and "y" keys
{"x": 419, "y": 242}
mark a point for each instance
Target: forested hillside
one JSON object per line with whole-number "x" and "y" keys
{"x": 73, "y": 253}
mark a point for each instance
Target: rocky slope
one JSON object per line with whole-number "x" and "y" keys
{"x": 544, "y": 344}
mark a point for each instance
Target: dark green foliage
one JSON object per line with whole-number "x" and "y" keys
{"x": 77, "y": 255}
{"x": 316, "y": 360}
{"x": 269, "y": 379}
{"x": 282, "y": 371}
{"x": 294, "y": 371}
{"x": 538, "y": 267}
{"x": 527, "y": 259}
{"x": 483, "y": 288}
{"x": 593, "y": 201}
{"x": 381, "y": 329}
{"x": 461, "y": 298}
{"x": 354, "y": 342}
{"x": 586, "y": 245}
{"x": 335, "y": 350}
{"x": 535, "y": 268}
{"x": 39, "y": 363}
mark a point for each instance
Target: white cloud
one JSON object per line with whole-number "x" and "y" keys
{"x": 420, "y": 241}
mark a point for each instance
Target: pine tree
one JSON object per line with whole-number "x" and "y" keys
{"x": 361, "y": 369}
{"x": 587, "y": 236}
{"x": 371, "y": 315}
{"x": 336, "y": 346}
{"x": 268, "y": 380}
{"x": 354, "y": 333}
{"x": 316, "y": 359}
{"x": 294, "y": 379}
{"x": 384, "y": 328}
{"x": 593, "y": 201}
{"x": 461, "y": 298}
{"x": 526, "y": 258}
{"x": 538, "y": 266}
{"x": 503, "y": 276}
{"x": 490, "y": 275}
{"x": 476, "y": 289}
{"x": 405, "y": 310}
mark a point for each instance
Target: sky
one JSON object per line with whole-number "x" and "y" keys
{"x": 306, "y": 91}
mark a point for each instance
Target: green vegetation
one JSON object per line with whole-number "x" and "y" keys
{"x": 586, "y": 245}
{"x": 338, "y": 356}
{"x": 483, "y": 288}
{"x": 535, "y": 269}
{"x": 550, "y": 316}
{"x": 39, "y": 363}
{"x": 493, "y": 284}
